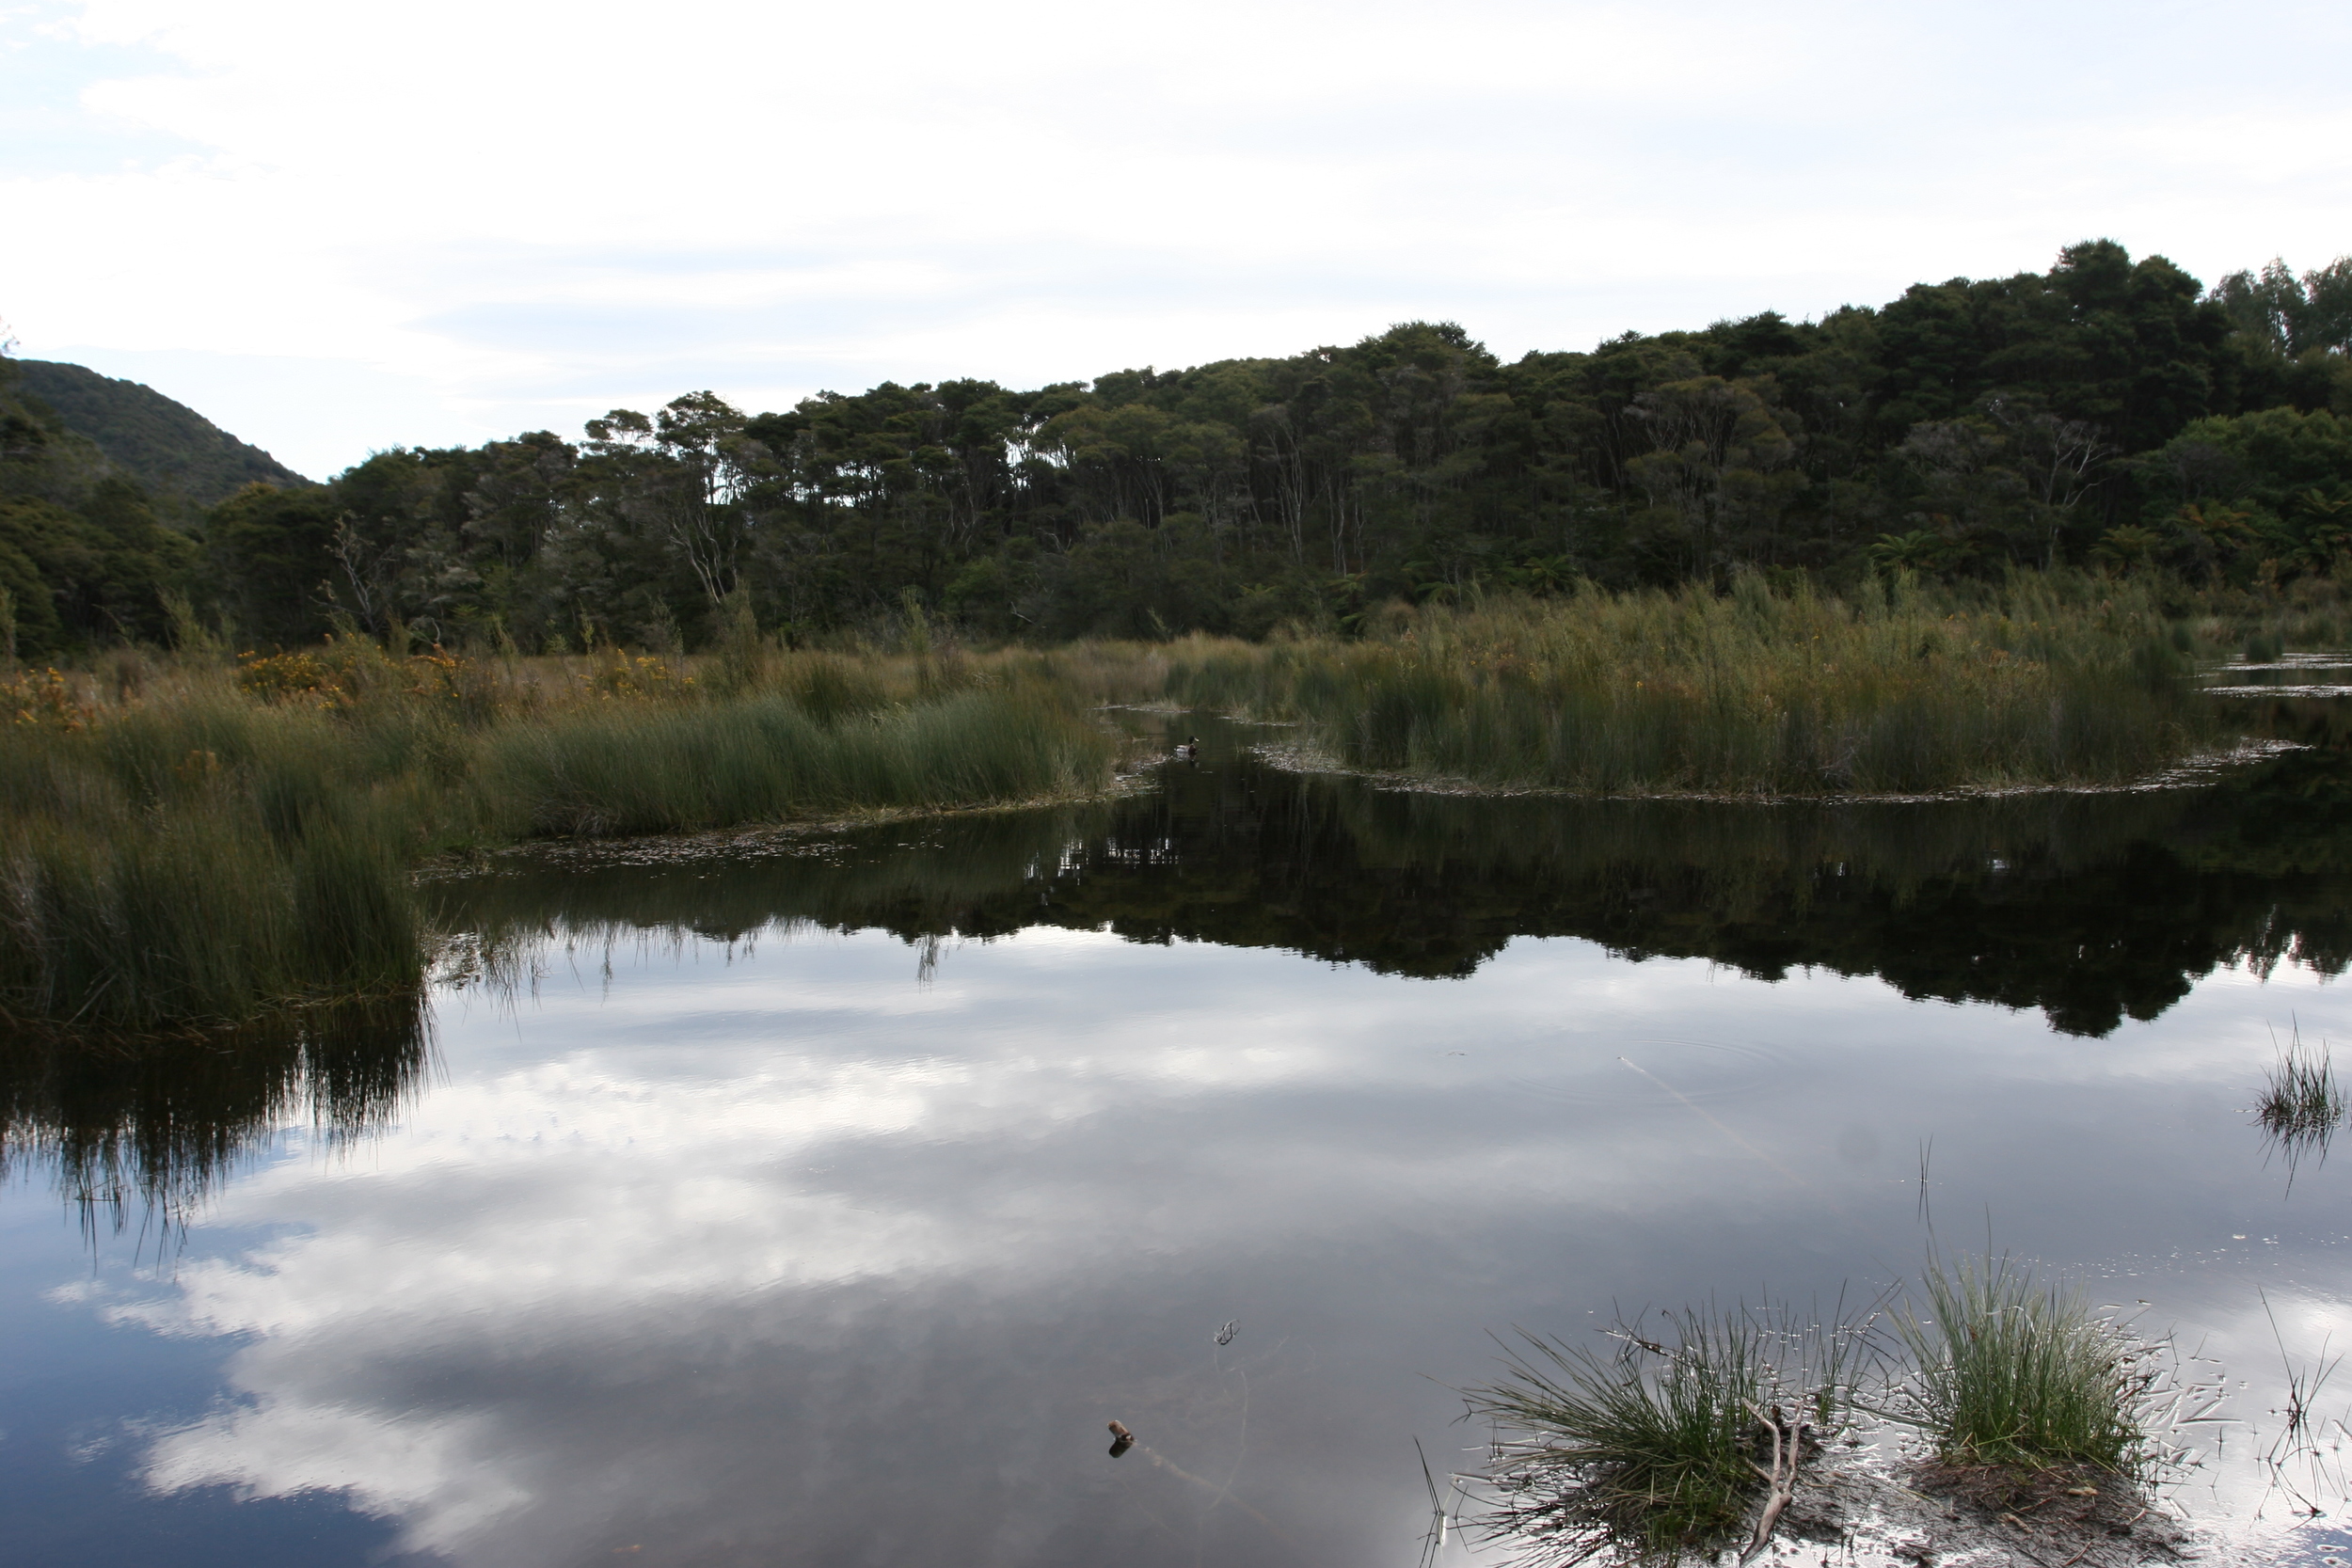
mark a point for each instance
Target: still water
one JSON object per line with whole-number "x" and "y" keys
{"x": 820, "y": 1201}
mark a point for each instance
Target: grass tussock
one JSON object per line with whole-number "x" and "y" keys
{"x": 1904, "y": 690}
{"x": 200, "y": 863}
{"x": 2013, "y": 1371}
{"x": 2302, "y": 1101}
{"x": 1657, "y": 1450}
{"x": 1654, "y": 1449}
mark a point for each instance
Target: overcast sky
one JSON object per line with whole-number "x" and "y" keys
{"x": 337, "y": 229}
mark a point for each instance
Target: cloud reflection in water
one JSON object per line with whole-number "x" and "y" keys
{"x": 832, "y": 1266}
{"x": 777, "y": 1242}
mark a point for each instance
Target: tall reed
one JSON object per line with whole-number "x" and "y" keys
{"x": 765, "y": 759}
{"x": 199, "y": 864}
{"x": 197, "y": 845}
{"x": 2045, "y": 680}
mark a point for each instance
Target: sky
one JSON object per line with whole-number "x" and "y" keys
{"x": 339, "y": 229}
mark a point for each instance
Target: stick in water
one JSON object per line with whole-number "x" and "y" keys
{"x": 1782, "y": 1477}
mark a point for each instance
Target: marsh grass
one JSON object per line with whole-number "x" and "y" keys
{"x": 767, "y": 759}
{"x": 1654, "y": 1449}
{"x": 2302, "y": 1103}
{"x": 195, "y": 845}
{"x": 1651, "y": 1450}
{"x": 198, "y": 863}
{"x": 1902, "y": 689}
{"x": 195, "y": 838}
{"x": 2010, "y": 1371}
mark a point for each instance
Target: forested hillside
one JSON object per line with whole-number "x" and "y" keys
{"x": 175, "y": 452}
{"x": 2108, "y": 411}
{"x": 84, "y": 558}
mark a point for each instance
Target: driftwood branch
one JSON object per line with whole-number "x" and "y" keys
{"x": 1780, "y": 1478}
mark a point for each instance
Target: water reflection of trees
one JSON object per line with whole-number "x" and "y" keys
{"x": 151, "y": 1126}
{"x": 2091, "y": 908}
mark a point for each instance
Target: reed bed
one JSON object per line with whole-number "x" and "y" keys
{"x": 195, "y": 838}
{"x": 765, "y": 759}
{"x": 192, "y": 845}
{"x": 2045, "y": 680}
{"x": 200, "y": 863}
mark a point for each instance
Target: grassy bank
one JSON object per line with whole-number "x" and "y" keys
{"x": 208, "y": 841}
{"x": 196, "y": 837}
{"x": 2047, "y": 680}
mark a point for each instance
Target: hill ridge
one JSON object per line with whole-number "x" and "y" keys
{"x": 165, "y": 445}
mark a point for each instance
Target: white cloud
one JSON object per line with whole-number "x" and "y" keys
{"x": 775, "y": 1212}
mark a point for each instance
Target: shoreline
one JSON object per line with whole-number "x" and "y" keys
{"x": 2197, "y": 769}
{"x": 773, "y": 837}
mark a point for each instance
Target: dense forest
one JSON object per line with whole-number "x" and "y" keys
{"x": 2107, "y": 412}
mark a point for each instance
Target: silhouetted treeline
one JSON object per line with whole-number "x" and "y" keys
{"x": 2106, "y": 411}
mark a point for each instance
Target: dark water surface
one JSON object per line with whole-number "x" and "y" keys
{"x": 820, "y": 1201}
